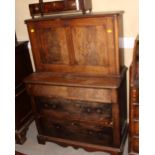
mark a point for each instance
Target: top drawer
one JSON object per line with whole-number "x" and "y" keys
{"x": 78, "y": 93}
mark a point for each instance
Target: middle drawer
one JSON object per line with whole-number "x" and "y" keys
{"x": 78, "y": 110}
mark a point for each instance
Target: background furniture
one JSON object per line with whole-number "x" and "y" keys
{"x": 78, "y": 92}
{"x": 23, "y": 112}
{"x": 134, "y": 102}
{"x": 44, "y": 8}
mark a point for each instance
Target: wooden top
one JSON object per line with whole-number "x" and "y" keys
{"x": 65, "y": 79}
{"x": 75, "y": 15}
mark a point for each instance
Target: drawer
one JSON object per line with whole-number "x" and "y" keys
{"x": 134, "y": 95}
{"x": 76, "y": 130}
{"x": 76, "y": 93}
{"x": 49, "y": 7}
{"x": 135, "y": 144}
{"x": 79, "y": 110}
{"x": 135, "y": 127}
{"x": 135, "y": 110}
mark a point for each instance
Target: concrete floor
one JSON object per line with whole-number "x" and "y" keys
{"x": 31, "y": 147}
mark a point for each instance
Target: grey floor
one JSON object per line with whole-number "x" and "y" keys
{"x": 31, "y": 147}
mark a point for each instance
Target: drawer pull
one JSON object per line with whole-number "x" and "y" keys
{"x": 78, "y": 105}
{"x": 54, "y": 106}
{"x": 57, "y": 126}
{"x": 111, "y": 123}
{"x": 99, "y": 111}
{"x": 74, "y": 124}
{"x": 36, "y": 8}
{"x": 90, "y": 132}
{"x": 88, "y": 110}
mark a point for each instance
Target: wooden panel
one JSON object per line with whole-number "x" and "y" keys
{"x": 53, "y": 48}
{"x": 79, "y": 110}
{"x": 92, "y": 51}
{"x": 67, "y": 45}
{"x": 85, "y": 94}
{"x": 89, "y": 50}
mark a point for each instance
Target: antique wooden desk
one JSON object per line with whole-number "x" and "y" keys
{"x": 78, "y": 92}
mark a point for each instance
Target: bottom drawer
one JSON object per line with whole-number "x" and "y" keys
{"x": 76, "y": 130}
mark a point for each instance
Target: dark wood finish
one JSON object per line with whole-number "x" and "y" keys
{"x": 78, "y": 93}
{"x": 65, "y": 43}
{"x": 18, "y": 153}
{"x": 134, "y": 102}
{"x": 23, "y": 112}
{"x": 70, "y": 117}
{"x": 44, "y": 8}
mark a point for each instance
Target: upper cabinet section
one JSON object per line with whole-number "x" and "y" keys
{"x": 77, "y": 44}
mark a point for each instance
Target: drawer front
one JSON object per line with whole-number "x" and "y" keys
{"x": 135, "y": 145}
{"x": 134, "y": 95}
{"x": 135, "y": 111}
{"x": 135, "y": 127}
{"x": 79, "y": 110}
{"x": 77, "y": 93}
{"x": 76, "y": 130}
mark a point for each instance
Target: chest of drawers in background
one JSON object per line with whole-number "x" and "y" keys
{"x": 134, "y": 102}
{"x": 23, "y": 112}
{"x": 78, "y": 92}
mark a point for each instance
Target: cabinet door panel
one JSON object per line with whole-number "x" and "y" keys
{"x": 53, "y": 47}
{"x": 93, "y": 41}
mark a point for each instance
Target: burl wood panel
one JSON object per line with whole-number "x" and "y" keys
{"x": 91, "y": 41}
{"x": 53, "y": 49}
